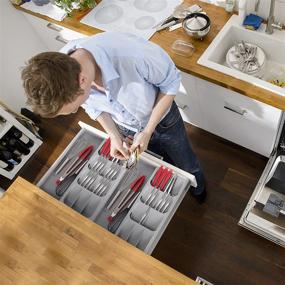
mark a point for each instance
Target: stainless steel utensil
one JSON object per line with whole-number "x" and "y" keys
{"x": 123, "y": 201}
{"x": 63, "y": 186}
{"x": 197, "y": 33}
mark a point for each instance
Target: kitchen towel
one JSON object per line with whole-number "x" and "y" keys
{"x": 49, "y": 10}
{"x": 252, "y": 22}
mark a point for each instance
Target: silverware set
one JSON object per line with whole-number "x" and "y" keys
{"x": 97, "y": 178}
{"x": 102, "y": 165}
{"x": 163, "y": 181}
{"x": 163, "y": 204}
{"x": 72, "y": 170}
{"x": 246, "y": 57}
{"x": 101, "y": 169}
{"x": 100, "y": 188}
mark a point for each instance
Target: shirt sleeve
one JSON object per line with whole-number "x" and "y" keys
{"x": 92, "y": 113}
{"x": 158, "y": 69}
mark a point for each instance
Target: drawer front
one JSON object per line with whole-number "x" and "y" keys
{"x": 187, "y": 101}
{"x": 53, "y": 36}
{"x": 242, "y": 120}
{"x": 96, "y": 194}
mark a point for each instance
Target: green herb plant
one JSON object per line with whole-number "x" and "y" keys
{"x": 69, "y": 5}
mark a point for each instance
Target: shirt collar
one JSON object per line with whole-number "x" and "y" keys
{"x": 103, "y": 61}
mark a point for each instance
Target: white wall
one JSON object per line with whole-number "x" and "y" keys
{"x": 264, "y": 6}
{"x": 279, "y": 13}
{"x": 18, "y": 42}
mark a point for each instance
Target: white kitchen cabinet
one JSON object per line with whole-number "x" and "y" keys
{"x": 188, "y": 101}
{"x": 237, "y": 118}
{"x": 18, "y": 43}
{"x": 53, "y": 36}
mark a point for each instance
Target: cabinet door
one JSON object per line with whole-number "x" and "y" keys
{"x": 237, "y": 118}
{"x": 188, "y": 102}
{"x": 53, "y": 36}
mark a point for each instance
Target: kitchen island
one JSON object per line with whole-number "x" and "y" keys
{"x": 45, "y": 242}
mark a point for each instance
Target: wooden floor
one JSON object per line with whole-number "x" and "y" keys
{"x": 201, "y": 240}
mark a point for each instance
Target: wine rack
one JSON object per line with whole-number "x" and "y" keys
{"x": 8, "y": 122}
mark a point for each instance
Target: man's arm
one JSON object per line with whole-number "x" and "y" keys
{"x": 117, "y": 149}
{"x": 157, "y": 68}
{"x": 162, "y": 104}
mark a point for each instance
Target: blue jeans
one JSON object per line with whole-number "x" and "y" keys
{"x": 170, "y": 140}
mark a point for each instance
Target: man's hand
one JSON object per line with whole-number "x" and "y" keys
{"x": 141, "y": 141}
{"x": 117, "y": 148}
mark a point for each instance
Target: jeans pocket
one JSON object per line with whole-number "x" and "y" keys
{"x": 171, "y": 118}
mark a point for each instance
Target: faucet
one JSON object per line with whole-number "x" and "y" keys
{"x": 270, "y": 20}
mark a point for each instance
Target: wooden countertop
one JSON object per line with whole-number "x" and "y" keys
{"x": 165, "y": 38}
{"x": 42, "y": 241}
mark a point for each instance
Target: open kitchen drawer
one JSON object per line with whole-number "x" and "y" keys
{"x": 101, "y": 184}
{"x": 265, "y": 211}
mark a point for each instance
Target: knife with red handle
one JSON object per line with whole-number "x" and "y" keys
{"x": 83, "y": 155}
{"x": 134, "y": 188}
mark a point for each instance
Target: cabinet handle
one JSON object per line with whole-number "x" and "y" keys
{"x": 61, "y": 39}
{"x": 182, "y": 107}
{"x": 235, "y": 109}
{"x": 54, "y": 27}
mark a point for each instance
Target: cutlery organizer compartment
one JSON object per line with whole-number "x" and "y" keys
{"x": 104, "y": 191}
{"x": 150, "y": 216}
{"x": 82, "y": 140}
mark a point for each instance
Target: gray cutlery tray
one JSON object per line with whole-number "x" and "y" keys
{"x": 91, "y": 198}
{"x": 146, "y": 234}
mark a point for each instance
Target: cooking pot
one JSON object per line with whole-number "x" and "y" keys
{"x": 197, "y": 25}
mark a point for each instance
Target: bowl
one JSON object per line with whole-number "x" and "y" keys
{"x": 197, "y": 25}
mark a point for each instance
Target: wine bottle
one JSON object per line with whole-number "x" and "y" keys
{"x": 6, "y": 165}
{"x": 21, "y": 137}
{"x": 8, "y": 156}
{"x": 14, "y": 144}
{"x": 5, "y": 146}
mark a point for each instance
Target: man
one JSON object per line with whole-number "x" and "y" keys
{"x": 125, "y": 83}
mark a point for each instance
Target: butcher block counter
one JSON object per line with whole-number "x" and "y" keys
{"x": 45, "y": 242}
{"x": 189, "y": 65}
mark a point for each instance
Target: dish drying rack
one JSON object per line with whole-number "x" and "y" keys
{"x": 246, "y": 57}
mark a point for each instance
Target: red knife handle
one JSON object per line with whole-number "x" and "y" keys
{"x": 156, "y": 176}
{"x": 86, "y": 152}
{"x": 135, "y": 186}
{"x": 166, "y": 179}
{"x": 162, "y": 177}
{"x": 105, "y": 146}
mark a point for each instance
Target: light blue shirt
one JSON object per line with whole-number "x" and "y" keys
{"x": 133, "y": 72}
